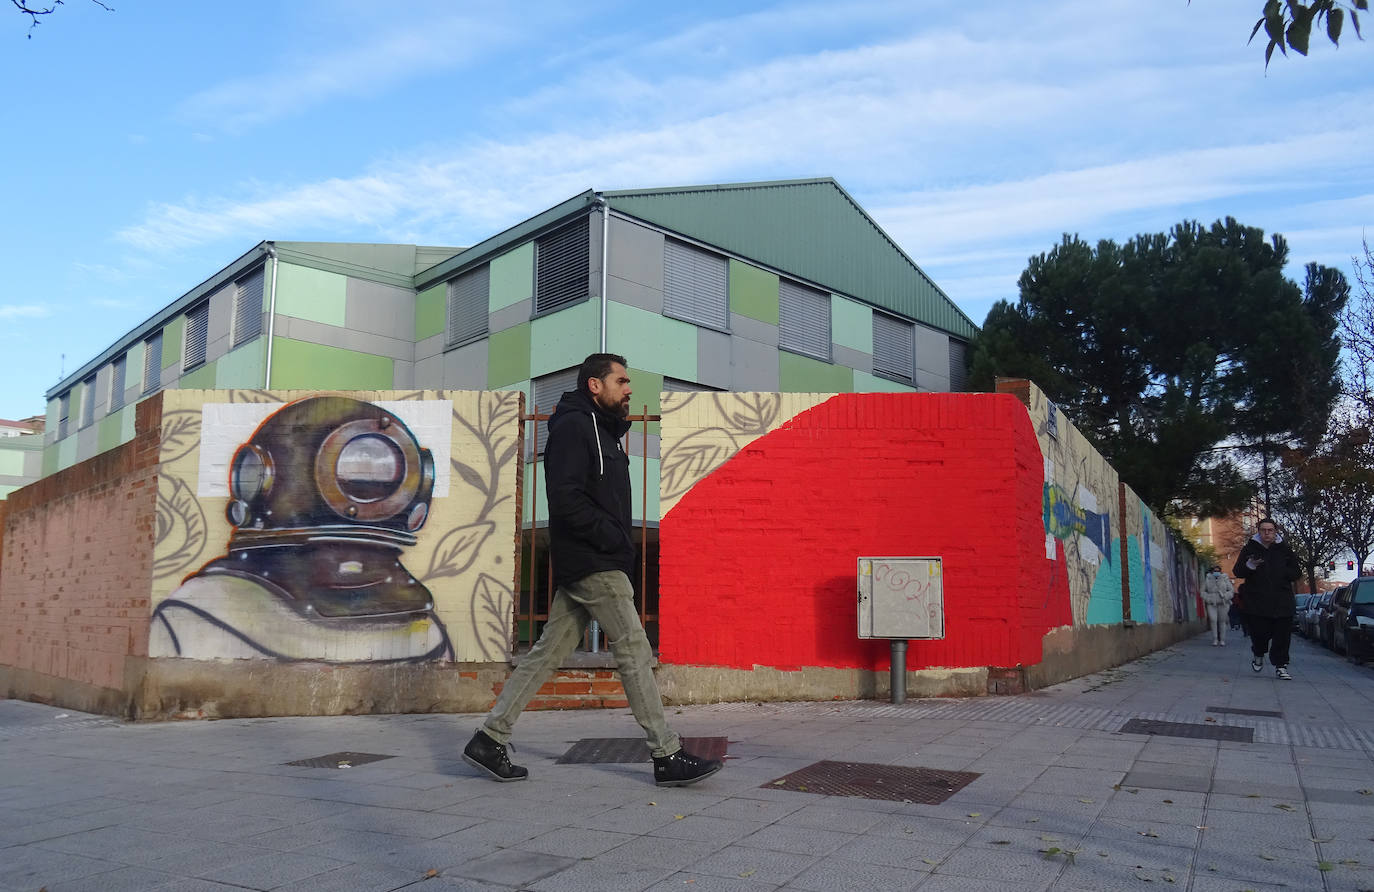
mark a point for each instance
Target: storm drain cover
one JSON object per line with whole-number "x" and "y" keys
{"x": 1228, "y": 710}
{"x": 606, "y": 750}
{"x": 928, "y": 786}
{"x": 339, "y": 760}
{"x": 1185, "y": 729}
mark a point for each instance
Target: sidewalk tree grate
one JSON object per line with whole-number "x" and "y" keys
{"x": 1230, "y": 710}
{"x": 895, "y": 783}
{"x": 1190, "y": 730}
{"x": 339, "y": 760}
{"x": 607, "y": 750}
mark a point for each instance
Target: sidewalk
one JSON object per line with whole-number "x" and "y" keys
{"x": 1063, "y": 799}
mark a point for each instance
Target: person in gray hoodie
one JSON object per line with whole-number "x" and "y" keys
{"x": 1217, "y": 592}
{"x": 1269, "y": 568}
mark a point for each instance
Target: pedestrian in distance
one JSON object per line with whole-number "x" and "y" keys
{"x": 588, "y": 477}
{"x": 1269, "y": 568}
{"x": 1217, "y": 593}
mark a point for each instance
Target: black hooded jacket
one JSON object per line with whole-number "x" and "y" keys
{"x": 588, "y": 479}
{"x": 1268, "y": 589}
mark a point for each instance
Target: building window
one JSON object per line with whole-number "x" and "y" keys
{"x": 695, "y": 285}
{"x": 117, "y": 382}
{"x": 548, "y": 390}
{"x": 894, "y": 348}
{"x": 247, "y": 323}
{"x": 468, "y": 299}
{"x": 152, "y": 363}
{"x": 803, "y": 320}
{"x": 562, "y": 267}
{"x": 88, "y": 401}
{"x": 64, "y": 412}
{"x": 197, "y": 333}
{"x": 958, "y": 366}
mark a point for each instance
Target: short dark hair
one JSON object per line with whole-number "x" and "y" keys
{"x": 598, "y": 365}
{"x": 1269, "y": 520}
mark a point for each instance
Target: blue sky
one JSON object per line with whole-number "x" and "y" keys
{"x": 148, "y": 147}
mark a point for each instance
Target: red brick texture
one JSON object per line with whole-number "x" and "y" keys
{"x": 759, "y": 560}
{"x": 76, "y": 570}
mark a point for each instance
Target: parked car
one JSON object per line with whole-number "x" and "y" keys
{"x": 1303, "y": 602}
{"x": 1312, "y": 616}
{"x": 1355, "y": 602}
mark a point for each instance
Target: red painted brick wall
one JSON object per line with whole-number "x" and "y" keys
{"x": 759, "y": 559}
{"x": 77, "y": 563}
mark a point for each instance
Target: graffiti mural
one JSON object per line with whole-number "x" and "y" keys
{"x": 333, "y": 527}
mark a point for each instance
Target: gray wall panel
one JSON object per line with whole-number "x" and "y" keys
{"x": 636, "y": 254}
{"x": 753, "y": 366}
{"x": 854, "y": 359}
{"x": 753, "y": 330}
{"x": 511, "y": 316}
{"x": 713, "y": 358}
{"x": 466, "y": 367}
{"x": 379, "y": 309}
{"x": 932, "y": 351}
{"x": 429, "y": 373}
{"x": 430, "y": 346}
{"x": 402, "y": 374}
{"x": 347, "y": 338}
{"x": 633, "y": 294}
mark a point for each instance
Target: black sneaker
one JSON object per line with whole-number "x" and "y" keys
{"x": 682, "y": 768}
{"x": 1257, "y": 664}
{"x": 1283, "y": 673}
{"x": 484, "y": 753}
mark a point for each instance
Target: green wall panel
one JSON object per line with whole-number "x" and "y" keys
{"x": 298, "y": 365}
{"x": 111, "y": 432}
{"x": 203, "y": 378}
{"x": 6, "y": 489}
{"x": 311, "y": 294}
{"x": 866, "y": 383}
{"x": 431, "y": 312}
{"x": 66, "y": 453}
{"x": 565, "y": 338}
{"x": 172, "y": 334}
{"x": 49, "y": 460}
{"x": 851, "y": 324}
{"x": 242, "y": 368}
{"x": 133, "y": 364}
{"x": 512, "y": 277}
{"x": 645, "y": 387}
{"x": 508, "y": 356}
{"x": 11, "y": 461}
{"x": 54, "y": 413}
{"x": 652, "y": 342}
{"x": 802, "y": 374}
{"x": 753, "y": 292}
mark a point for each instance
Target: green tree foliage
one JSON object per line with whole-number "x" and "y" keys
{"x": 1174, "y": 353}
{"x": 1289, "y": 24}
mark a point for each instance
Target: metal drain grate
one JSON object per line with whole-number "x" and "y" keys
{"x": 1229, "y": 710}
{"x": 1185, "y": 729}
{"x": 928, "y": 786}
{"x": 339, "y": 760}
{"x": 606, "y": 750}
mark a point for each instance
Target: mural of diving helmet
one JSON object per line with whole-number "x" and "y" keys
{"x": 323, "y": 497}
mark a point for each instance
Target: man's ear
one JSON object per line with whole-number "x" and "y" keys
{"x": 594, "y": 385}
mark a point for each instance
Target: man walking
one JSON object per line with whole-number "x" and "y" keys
{"x": 1217, "y": 592}
{"x": 1269, "y": 566}
{"x": 588, "y": 477}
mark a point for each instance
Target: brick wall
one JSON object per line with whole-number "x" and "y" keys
{"x": 77, "y": 563}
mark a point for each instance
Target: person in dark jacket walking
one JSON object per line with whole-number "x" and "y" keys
{"x": 1269, "y": 567}
{"x": 588, "y": 477}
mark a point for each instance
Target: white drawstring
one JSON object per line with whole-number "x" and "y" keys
{"x": 596, "y": 434}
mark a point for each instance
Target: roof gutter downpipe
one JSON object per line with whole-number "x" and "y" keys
{"x": 271, "y": 317}
{"x": 605, "y": 254}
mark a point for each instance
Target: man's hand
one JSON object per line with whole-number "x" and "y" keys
{"x": 1254, "y": 562}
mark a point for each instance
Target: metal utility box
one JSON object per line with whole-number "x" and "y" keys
{"x": 901, "y": 597}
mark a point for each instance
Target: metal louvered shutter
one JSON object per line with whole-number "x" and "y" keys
{"x": 88, "y": 401}
{"x": 562, "y": 264}
{"x": 152, "y": 363}
{"x": 197, "y": 330}
{"x": 958, "y": 366}
{"x": 117, "y": 382}
{"x": 64, "y": 412}
{"x": 548, "y": 390}
{"x": 247, "y": 308}
{"x": 695, "y": 285}
{"x": 803, "y": 320}
{"x": 468, "y": 300}
{"x": 894, "y": 347}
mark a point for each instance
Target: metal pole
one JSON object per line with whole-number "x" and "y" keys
{"x": 644, "y": 520}
{"x": 534, "y": 526}
{"x": 898, "y": 671}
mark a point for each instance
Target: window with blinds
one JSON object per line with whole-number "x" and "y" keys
{"x": 152, "y": 363}
{"x": 117, "y": 372}
{"x": 695, "y": 285}
{"x": 88, "y": 401}
{"x": 468, "y": 300}
{"x": 197, "y": 336}
{"x": 548, "y": 390}
{"x": 894, "y": 348}
{"x": 247, "y": 322}
{"x": 64, "y": 411}
{"x": 958, "y": 366}
{"x": 562, "y": 265}
{"x": 803, "y": 320}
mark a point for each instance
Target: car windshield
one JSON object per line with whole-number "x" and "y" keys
{"x": 1364, "y": 594}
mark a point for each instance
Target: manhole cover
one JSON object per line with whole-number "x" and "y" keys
{"x": 1184, "y": 729}
{"x": 604, "y": 750}
{"x": 928, "y": 786}
{"x": 1228, "y": 710}
{"x": 339, "y": 760}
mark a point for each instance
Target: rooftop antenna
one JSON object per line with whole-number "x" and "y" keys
{"x": 62, "y": 373}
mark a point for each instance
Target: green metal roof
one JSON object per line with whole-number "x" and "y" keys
{"x": 808, "y": 228}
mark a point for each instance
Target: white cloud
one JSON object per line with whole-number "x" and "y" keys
{"x": 23, "y": 311}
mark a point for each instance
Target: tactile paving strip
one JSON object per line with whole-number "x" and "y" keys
{"x": 1230, "y": 710}
{"x": 339, "y": 760}
{"x": 607, "y": 750}
{"x": 895, "y": 783}
{"x": 1186, "y": 729}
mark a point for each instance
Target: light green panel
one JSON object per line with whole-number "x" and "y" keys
{"x": 508, "y": 356}
{"x": 866, "y": 383}
{"x": 311, "y": 294}
{"x": 127, "y": 417}
{"x": 431, "y": 307}
{"x": 512, "y": 277}
{"x": 12, "y": 462}
{"x": 242, "y": 368}
{"x": 49, "y": 460}
{"x": 851, "y": 324}
{"x": 648, "y": 339}
{"x": 637, "y": 487}
{"x": 802, "y": 374}
{"x": 753, "y": 292}
{"x": 172, "y": 335}
{"x": 54, "y": 413}
{"x": 645, "y": 387}
{"x": 6, "y": 489}
{"x": 297, "y": 365}
{"x": 66, "y": 453}
{"x": 111, "y": 432}
{"x": 133, "y": 364}
{"x": 203, "y": 378}
{"x": 536, "y": 505}
{"x": 563, "y": 339}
